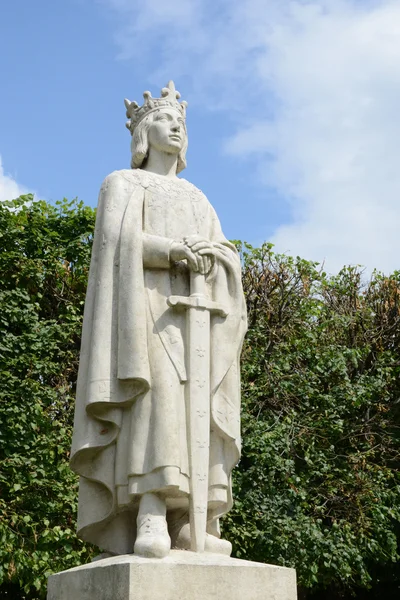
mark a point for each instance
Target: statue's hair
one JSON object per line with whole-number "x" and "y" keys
{"x": 140, "y": 144}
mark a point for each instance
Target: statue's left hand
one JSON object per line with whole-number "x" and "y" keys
{"x": 204, "y": 251}
{"x": 226, "y": 256}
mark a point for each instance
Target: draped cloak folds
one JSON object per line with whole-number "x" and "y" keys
{"x": 128, "y": 327}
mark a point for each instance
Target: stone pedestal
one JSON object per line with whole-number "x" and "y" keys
{"x": 180, "y": 576}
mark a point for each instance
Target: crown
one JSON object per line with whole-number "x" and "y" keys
{"x": 169, "y": 99}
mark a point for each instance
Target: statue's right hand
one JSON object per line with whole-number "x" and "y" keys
{"x": 180, "y": 251}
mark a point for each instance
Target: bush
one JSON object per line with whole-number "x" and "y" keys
{"x": 44, "y": 256}
{"x": 318, "y": 485}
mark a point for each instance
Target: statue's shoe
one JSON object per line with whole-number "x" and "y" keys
{"x": 152, "y": 539}
{"x": 181, "y": 541}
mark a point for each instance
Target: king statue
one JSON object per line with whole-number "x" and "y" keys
{"x": 157, "y": 418}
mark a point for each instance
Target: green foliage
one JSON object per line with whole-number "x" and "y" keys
{"x": 318, "y": 487}
{"x": 44, "y": 257}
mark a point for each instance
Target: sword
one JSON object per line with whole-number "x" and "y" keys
{"x": 199, "y": 309}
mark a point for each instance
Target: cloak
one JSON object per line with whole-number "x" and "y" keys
{"x": 115, "y": 364}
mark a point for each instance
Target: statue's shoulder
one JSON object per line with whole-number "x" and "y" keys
{"x": 119, "y": 179}
{"x": 116, "y": 190}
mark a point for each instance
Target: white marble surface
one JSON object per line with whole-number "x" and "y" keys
{"x": 179, "y": 576}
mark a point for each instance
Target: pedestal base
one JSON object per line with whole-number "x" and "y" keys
{"x": 180, "y": 576}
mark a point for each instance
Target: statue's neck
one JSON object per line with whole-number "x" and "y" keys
{"x": 161, "y": 163}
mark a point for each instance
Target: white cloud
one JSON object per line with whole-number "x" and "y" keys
{"x": 317, "y": 86}
{"x": 335, "y": 136}
{"x": 9, "y": 188}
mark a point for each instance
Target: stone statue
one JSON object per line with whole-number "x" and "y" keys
{"x": 157, "y": 429}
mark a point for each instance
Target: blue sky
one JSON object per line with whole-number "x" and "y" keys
{"x": 293, "y": 110}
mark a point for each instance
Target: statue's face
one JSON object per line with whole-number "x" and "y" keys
{"x": 167, "y": 132}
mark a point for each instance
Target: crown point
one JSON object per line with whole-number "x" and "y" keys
{"x": 146, "y": 95}
{"x": 172, "y": 90}
{"x": 127, "y": 103}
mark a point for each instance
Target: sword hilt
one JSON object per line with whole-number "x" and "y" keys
{"x": 198, "y": 301}
{"x": 197, "y": 298}
{"x": 197, "y": 284}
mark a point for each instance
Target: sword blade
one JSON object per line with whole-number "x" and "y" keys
{"x": 198, "y": 404}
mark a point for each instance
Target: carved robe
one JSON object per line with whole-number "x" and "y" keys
{"x": 130, "y": 433}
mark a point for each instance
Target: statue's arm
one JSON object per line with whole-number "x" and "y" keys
{"x": 160, "y": 253}
{"x": 156, "y": 251}
{"x": 224, "y": 251}
{"x": 216, "y": 235}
